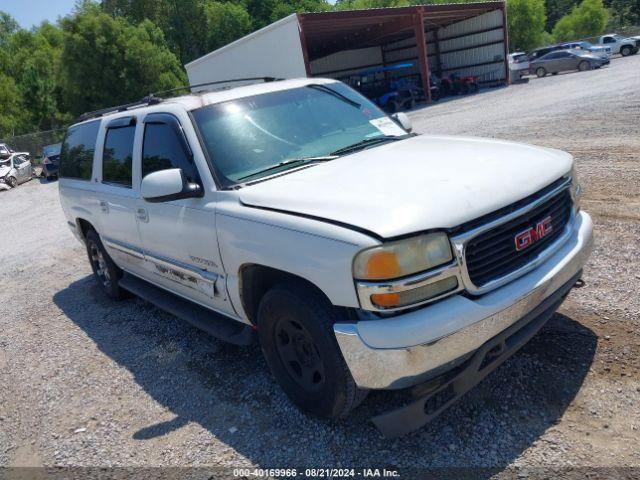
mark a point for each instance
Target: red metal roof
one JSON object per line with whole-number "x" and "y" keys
{"x": 329, "y": 32}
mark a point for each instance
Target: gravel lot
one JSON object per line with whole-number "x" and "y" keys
{"x": 85, "y": 381}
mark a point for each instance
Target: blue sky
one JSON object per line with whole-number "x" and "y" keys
{"x": 31, "y": 12}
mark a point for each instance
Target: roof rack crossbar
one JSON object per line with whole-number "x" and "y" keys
{"x": 219, "y": 82}
{"x": 155, "y": 98}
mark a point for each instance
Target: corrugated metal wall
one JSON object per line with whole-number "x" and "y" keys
{"x": 466, "y": 52}
{"x": 471, "y": 47}
{"x": 346, "y": 62}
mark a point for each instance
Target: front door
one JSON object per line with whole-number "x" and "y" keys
{"x": 179, "y": 237}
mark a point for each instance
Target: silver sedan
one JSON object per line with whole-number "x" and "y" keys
{"x": 566, "y": 60}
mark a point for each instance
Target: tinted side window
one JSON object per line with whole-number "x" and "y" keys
{"x": 76, "y": 156}
{"x": 162, "y": 150}
{"x": 117, "y": 156}
{"x": 609, "y": 40}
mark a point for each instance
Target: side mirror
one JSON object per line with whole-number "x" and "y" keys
{"x": 168, "y": 185}
{"x": 403, "y": 120}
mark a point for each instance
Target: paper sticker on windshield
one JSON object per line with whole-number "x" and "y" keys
{"x": 387, "y": 126}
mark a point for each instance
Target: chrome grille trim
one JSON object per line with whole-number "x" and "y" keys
{"x": 459, "y": 242}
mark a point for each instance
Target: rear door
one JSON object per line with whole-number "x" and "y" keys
{"x": 117, "y": 193}
{"x": 179, "y": 237}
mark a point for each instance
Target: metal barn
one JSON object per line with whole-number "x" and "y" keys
{"x": 466, "y": 39}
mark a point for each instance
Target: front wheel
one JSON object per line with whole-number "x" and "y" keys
{"x": 295, "y": 327}
{"x": 12, "y": 182}
{"x": 541, "y": 72}
{"x": 105, "y": 270}
{"x": 584, "y": 66}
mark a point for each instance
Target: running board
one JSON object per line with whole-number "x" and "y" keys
{"x": 211, "y": 322}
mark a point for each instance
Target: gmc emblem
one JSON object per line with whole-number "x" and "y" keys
{"x": 531, "y": 235}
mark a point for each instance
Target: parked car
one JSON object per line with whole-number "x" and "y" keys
{"x": 599, "y": 50}
{"x": 542, "y": 51}
{"x": 623, "y": 45}
{"x": 298, "y": 214}
{"x": 16, "y": 169}
{"x": 50, "y": 161}
{"x": 566, "y": 60}
{"x": 518, "y": 65}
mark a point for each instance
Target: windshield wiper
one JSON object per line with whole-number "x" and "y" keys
{"x": 335, "y": 93}
{"x": 291, "y": 161}
{"x": 367, "y": 142}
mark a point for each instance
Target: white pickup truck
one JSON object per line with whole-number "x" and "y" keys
{"x": 361, "y": 256}
{"x": 623, "y": 45}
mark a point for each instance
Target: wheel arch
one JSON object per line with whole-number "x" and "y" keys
{"x": 256, "y": 280}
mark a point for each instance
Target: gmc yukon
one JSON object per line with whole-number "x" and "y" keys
{"x": 360, "y": 255}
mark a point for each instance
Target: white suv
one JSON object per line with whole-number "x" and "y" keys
{"x": 361, "y": 256}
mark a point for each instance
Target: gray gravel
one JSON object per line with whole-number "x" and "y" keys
{"x": 90, "y": 382}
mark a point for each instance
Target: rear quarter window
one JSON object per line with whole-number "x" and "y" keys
{"x": 78, "y": 147}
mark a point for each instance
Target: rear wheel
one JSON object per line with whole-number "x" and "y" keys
{"x": 106, "y": 272}
{"x": 295, "y": 326}
{"x": 625, "y": 51}
{"x": 583, "y": 66}
{"x": 541, "y": 72}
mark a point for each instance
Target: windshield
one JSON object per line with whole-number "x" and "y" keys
{"x": 261, "y": 135}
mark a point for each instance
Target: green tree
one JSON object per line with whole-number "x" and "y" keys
{"x": 107, "y": 61}
{"x": 526, "y": 22}
{"x": 585, "y": 20}
{"x": 225, "y": 22}
{"x": 623, "y": 13}
{"x": 11, "y": 106}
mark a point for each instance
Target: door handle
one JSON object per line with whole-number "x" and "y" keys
{"x": 104, "y": 206}
{"x": 142, "y": 215}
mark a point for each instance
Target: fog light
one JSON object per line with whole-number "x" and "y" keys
{"x": 415, "y": 295}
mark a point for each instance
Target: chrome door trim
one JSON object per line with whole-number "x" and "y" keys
{"x": 123, "y": 247}
{"x": 160, "y": 260}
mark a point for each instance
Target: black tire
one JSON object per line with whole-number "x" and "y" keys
{"x": 106, "y": 272}
{"x": 474, "y": 87}
{"x": 295, "y": 327}
{"x": 583, "y": 66}
{"x": 541, "y": 72}
{"x": 12, "y": 182}
{"x": 625, "y": 51}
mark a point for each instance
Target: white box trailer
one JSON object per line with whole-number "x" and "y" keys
{"x": 466, "y": 39}
{"x": 273, "y": 51}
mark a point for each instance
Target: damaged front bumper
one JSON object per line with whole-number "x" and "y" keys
{"x": 408, "y": 349}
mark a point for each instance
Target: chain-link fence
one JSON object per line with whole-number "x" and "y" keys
{"x": 34, "y": 143}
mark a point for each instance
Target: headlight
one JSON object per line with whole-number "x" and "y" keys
{"x": 403, "y": 257}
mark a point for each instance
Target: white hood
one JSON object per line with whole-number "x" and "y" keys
{"x": 417, "y": 184}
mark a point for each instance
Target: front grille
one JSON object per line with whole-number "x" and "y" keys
{"x": 492, "y": 254}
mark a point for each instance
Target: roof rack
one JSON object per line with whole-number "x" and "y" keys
{"x": 219, "y": 82}
{"x": 158, "y": 97}
{"x": 148, "y": 100}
